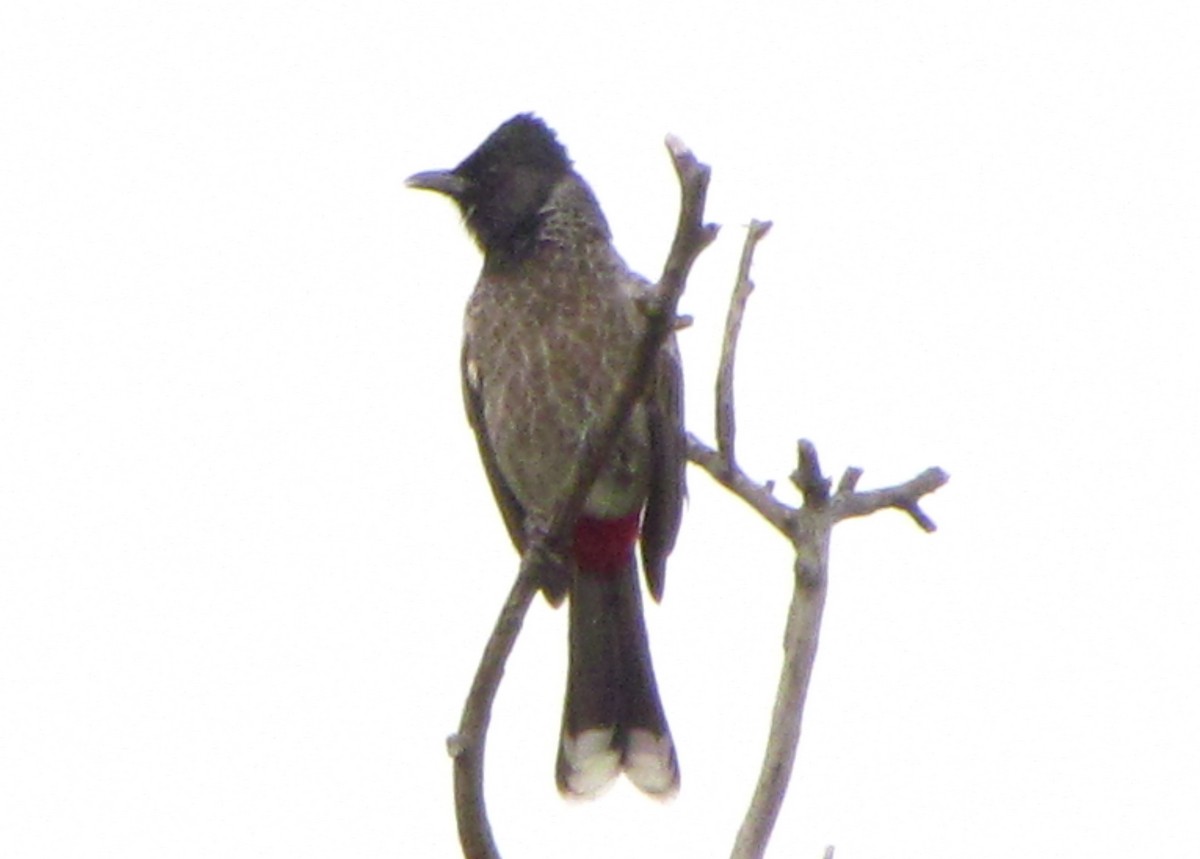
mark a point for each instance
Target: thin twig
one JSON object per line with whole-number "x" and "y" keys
{"x": 735, "y": 480}
{"x": 545, "y": 543}
{"x": 726, "y": 419}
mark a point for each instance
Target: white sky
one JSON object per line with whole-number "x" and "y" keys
{"x": 248, "y": 558}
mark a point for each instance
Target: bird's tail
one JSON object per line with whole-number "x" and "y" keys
{"x": 613, "y": 719}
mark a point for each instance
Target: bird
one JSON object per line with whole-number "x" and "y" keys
{"x": 550, "y": 333}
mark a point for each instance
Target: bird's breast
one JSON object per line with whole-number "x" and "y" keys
{"x": 548, "y": 349}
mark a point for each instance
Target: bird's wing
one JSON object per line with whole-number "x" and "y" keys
{"x": 668, "y": 462}
{"x": 510, "y": 508}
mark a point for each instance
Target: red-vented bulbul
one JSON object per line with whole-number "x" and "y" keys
{"x": 549, "y": 335}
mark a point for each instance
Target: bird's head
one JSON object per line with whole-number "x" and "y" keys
{"x": 503, "y": 185}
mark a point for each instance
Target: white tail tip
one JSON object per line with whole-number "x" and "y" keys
{"x": 650, "y": 763}
{"x": 592, "y": 762}
{"x": 592, "y": 759}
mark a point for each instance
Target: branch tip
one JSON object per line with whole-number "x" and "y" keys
{"x": 923, "y": 521}
{"x": 759, "y": 229}
{"x": 678, "y": 149}
{"x": 813, "y": 485}
{"x": 849, "y": 480}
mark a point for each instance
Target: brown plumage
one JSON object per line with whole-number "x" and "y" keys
{"x": 549, "y": 333}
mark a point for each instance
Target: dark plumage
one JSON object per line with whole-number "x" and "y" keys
{"x": 549, "y": 333}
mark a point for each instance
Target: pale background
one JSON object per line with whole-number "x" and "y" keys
{"x": 248, "y": 558}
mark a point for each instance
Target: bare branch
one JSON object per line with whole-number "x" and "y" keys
{"x": 692, "y": 235}
{"x": 726, "y": 419}
{"x": 732, "y": 478}
{"x": 467, "y": 746}
{"x": 810, "y": 534}
{"x": 848, "y": 503}
{"x": 809, "y": 529}
{"x": 544, "y": 549}
{"x": 800, "y": 651}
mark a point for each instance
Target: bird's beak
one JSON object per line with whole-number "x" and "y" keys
{"x": 443, "y": 181}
